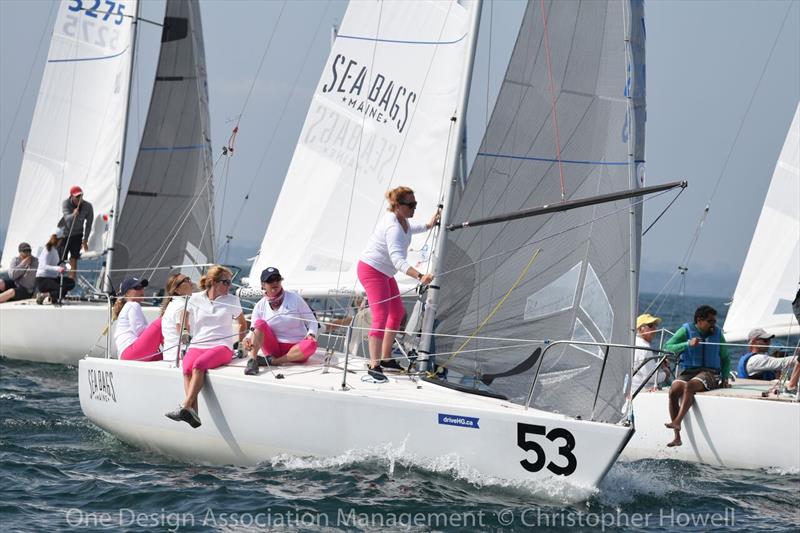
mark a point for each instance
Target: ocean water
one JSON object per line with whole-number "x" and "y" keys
{"x": 60, "y": 472}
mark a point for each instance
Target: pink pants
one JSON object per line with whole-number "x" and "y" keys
{"x": 206, "y": 358}
{"x": 384, "y": 299}
{"x": 146, "y": 347}
{"x": 271, "y": 346}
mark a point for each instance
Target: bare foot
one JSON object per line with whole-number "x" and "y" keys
{"x": 672, "y": 425}
{"x": 675, "y": 442}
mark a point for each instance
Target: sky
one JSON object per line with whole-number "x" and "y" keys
{"x": 723, "y": 80}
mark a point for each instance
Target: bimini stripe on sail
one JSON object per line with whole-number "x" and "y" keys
{"x": 167, "y": 215}
{"x": 771, "y": 273}
{"x": 76, "y": 134}
{"x": 568, "y": 124}
{"x": 380, "y": 117}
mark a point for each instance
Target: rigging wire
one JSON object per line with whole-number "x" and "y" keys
{"x": 553, "y": 99}
{"x": 277, "y": 125}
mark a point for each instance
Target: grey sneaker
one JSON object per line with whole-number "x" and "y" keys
{"x": 252, "y": 368}
{"x": 175, "y": 414}
{"x": 265, "y": 361}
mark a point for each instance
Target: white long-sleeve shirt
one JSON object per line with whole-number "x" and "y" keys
{"x": 48, "y": 263}
{"x": 290, "y": 322}
{"x": 211, "y": 321}
{"x": 130, "y": 324}
{"x": 170, "y": 323}
{"x": 387, "y": 249}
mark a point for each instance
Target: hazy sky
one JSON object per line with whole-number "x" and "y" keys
{"x": 704, "y": 62}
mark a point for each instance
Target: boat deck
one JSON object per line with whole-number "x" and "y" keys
{"x": 741, "y": 388}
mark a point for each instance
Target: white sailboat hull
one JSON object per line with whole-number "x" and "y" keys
{"x": 49, "y": 334}
{"x": 251, "y": 419}
{"x": 737, "y": 429}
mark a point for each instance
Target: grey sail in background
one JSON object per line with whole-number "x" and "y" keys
{"x": 167, "y": 218}
{"x": 579, "y": 285}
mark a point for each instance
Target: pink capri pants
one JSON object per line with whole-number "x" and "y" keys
{"x": 384, "y": 300}
{"x": 271, "y": 346}
{"x": 206, "y": 358}
{"x": 146, "y": 347}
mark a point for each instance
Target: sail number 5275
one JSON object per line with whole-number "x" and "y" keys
{"x": 555, "y": 434}
{"x": 92, "y": 8}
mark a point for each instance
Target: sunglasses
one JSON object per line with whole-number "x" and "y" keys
{"x": 412, "y": 205}
{"x": 184, "y": 280}
{"x": 225, "y": 282}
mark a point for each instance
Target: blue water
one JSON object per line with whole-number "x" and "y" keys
{"x": 58, "y": 472}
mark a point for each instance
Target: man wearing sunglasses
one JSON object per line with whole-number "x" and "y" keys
{"x": 77, "y": 223}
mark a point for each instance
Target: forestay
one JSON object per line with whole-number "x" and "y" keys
{"x": 771, "y": 271}
{"x": 167, "y": 215}
{"x": 580, "y": 285}
{"x": 76, "y": 134}
{"x": 380, "y": 117}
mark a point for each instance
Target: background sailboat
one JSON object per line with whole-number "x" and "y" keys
{"x": 167, "y": 215}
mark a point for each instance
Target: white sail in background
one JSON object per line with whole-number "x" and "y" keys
{"x": 771, "y": 273}
{"x": 76, "y": 133}
{"x": 380, "y": 117}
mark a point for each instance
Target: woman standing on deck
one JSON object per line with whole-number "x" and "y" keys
{"x": 385, "y": 255}
{"x": 209, "y": 317}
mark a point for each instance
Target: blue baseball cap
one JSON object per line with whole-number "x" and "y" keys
{"x": 270, "y": 274}
{"x": 132, "y": 283}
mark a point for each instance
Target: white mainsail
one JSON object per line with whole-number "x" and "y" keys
{"x": 380, "y": 117}
{"x": 77, "y": 130}
{"x": 771, "y": 273}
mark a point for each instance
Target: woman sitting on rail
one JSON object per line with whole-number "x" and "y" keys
{"x": 209, "y": 316}
{"x": 49, "y": 274}
{"x": 179, "y": 288}
{"x": 135, "y": 339}
{"x": 284, "y": 327}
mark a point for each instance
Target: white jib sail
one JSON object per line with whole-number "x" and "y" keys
{"x": 771, "y": 271}
{"x": 77, "y": 128}
{"x": 380, "y": 117}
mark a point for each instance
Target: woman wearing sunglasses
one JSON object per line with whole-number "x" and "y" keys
{"x": 179, "y": 288}
{"x": 135, "y": 339}
{"x": 210, "y": 313}
{"x": 385, "y": 255}
{"x": 284, "y": 327}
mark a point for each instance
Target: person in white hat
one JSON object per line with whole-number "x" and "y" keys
{"x": 757, "y": 363}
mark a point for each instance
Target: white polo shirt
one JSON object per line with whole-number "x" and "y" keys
{"x": 387, "y": 249}
{"x": 211, "y": 321}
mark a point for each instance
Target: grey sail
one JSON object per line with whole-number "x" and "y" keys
{"x": 167, "y": 217}
{"x": 568, "y": 275}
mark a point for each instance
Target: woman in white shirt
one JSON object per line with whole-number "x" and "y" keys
{"x": 135, "y": 339}
{"x": 284, "y": 327}
{"x": 49, "y": 278}
{"x": 209, "y": 316}
{"x": 385, "y": 255}
{"x": 179, "y": 288}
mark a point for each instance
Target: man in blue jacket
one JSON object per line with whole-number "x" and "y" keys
{"x": 704, "y": 361}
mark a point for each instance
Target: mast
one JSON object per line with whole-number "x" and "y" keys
{"x": 120, "y": 164}
{"x": 452, "y": 167}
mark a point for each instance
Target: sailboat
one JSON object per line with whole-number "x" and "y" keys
{"x": 77, "y": 137}
{"x": 725, "y": 427}
{"x": 569, "y": 273}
